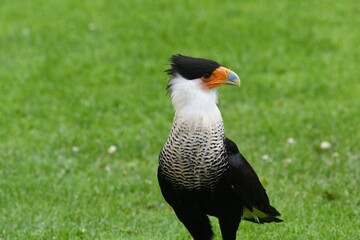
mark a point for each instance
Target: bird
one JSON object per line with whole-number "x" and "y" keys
{"x": 201, "y": 172}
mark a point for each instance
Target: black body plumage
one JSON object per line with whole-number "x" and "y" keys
{"x": 201, "y": 172}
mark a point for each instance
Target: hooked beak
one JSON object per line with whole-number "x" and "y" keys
{"x": 221, "y": 76}
{"x": 233, "y": 79}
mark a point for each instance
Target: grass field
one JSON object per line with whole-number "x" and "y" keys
{"x": 77, "y": 77}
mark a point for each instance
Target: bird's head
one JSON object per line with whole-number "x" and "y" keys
{"x": 209, "y": 73}
{"x": 193, "y": 81}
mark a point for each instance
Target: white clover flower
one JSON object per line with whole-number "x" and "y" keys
{"x": 291, "y": 141}
{"x": 112, "y": 149}
{"x": 325, "y": 145}
{"x": 266, "y": 158}
{"x": 75, "y": 149}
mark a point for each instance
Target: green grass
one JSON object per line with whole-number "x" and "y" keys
{"x": 90, "y": 74}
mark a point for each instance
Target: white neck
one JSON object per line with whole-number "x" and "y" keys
{"x": 192, "y": 102}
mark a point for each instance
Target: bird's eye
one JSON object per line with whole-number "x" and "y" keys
{"x": 207, "y": 75}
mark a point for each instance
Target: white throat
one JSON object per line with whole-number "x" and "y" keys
{"x": 193, "y": 103}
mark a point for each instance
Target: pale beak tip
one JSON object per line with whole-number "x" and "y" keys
{"x": 233, "y": 79}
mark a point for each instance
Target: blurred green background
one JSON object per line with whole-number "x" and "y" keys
{"x": 77, "y": 77}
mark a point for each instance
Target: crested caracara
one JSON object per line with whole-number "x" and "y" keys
{"x": 201, "y": 172}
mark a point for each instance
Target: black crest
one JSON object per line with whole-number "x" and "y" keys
{"x": 191, "y": 68}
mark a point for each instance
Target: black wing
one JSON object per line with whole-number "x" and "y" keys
{"x": 247, "y": 187}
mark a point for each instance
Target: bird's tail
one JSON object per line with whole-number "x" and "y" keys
{"x": 257, "y": 216}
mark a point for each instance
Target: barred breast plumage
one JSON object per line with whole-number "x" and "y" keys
{"x": 194, "y": 155}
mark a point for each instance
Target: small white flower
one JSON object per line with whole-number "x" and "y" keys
{"x": 266, "y": 158}
{"x": 290, "y": 141}
{"x": 75, "y": 149}
{"x": 325, "y": 145}
{"x": 112, "y": 149}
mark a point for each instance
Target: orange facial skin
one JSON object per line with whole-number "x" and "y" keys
{"x": 217, "y": 78}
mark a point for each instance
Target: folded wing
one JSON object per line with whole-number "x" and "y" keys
{"x": 247, "y": 188}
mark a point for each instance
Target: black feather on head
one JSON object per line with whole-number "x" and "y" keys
{"x": 191, "y": 68}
